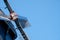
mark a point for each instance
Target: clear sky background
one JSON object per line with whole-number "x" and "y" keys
{"x": 43, "y": 15}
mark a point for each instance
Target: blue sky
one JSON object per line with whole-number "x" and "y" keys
{"x": 43, "y": 15}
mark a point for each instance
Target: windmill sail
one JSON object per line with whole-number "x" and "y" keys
{"x": 20, "y": 23}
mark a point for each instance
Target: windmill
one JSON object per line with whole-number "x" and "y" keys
{"x": 21, "y": 22}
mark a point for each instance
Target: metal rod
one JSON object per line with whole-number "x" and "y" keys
{"x": 8, "y": 6}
